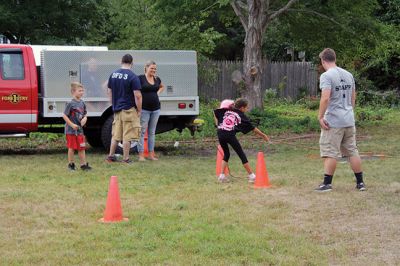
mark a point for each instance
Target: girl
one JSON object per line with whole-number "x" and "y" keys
{"x": 229, "y": 119}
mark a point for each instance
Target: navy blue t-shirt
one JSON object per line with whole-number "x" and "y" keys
{"x": 122, "y": 83}
{"x": 150, "y": 100}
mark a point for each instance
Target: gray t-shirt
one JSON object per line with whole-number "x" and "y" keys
{"x": 75, "y": 110}
{"x": 340, "y": 110}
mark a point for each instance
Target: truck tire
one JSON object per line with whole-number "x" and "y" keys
{"x": 106, "y": 132}
{"x": 93, "y": 137}
{"x": 106, "y": 137}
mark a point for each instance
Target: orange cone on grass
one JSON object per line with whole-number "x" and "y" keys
{"x": 113, "y": 211}
{"x": 218, "y": 164}
{"x": 262, "y": 179}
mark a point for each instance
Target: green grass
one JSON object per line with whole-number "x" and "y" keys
{"x": 179, "y": 215}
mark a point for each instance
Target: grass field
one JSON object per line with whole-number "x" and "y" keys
{"x": 179, "y": 215}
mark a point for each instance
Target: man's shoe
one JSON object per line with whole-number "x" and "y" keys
{"x": 127, "y": 161}
{"x": 111, "y": 159}
{"x": 86, "y": 167}
{"x": 324, "y": 188}
{"x": 71, "y": 167}
{"x": 361, "y": 186}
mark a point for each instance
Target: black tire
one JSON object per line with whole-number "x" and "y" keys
{"x": 93, "y": 137}
{"x": 106, "y": 132}
{"x": 106, "y": 137}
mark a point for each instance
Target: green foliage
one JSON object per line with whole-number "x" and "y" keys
{"x": 368, "y": 115}
{"x": 162, "y": 24}
{"x": 389, "y": 11}
{"x": 389, "y": 98}
{"x": 283, "y": 117}
{"x": 41, "y": 138}
{"x": 50, "y": 22}
{"x": 311, "y": 103}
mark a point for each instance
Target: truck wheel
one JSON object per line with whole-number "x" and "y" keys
{"x": 93, "y": 137}
{"x": 106, "y": 137}
{"x": 106, "y": 132}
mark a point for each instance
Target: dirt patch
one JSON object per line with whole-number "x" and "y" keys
{"x": 364, "y": 228}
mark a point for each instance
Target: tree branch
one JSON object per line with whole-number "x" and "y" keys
{"x": 315, "y": 13}
{"x": 238, "y": 8}
{"x": 276, "y": 14}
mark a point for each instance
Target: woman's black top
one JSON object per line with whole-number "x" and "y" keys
{"x": 150, "y": 101}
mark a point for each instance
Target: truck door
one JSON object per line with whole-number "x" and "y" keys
{"x": 16, "y": 97}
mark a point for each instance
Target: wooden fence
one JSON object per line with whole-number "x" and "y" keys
{"x": 287, "y": 79}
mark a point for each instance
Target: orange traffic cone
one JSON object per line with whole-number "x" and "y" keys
{"x": 262, "y": 179}
{"x": 218, "y": 164}
{"x": 113, "y": 211}
{"x": 145, "y": 146}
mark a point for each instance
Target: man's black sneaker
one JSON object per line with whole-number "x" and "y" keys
{"x": 127, "y": 161}
{"x": 71, "y": 167}
{"x": 324, "y": 188}
{"x": 361, "y": 186}
{"x": 111, "y": 159}
{"x": 86, "y": 167}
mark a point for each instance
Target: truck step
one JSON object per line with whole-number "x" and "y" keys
{"x": 18, "y": 135}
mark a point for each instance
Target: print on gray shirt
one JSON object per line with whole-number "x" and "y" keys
{"x": 340, "y": 110}
{"x": 75, "y": 110}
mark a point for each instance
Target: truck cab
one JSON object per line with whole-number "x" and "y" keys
{"x": 18, "y": 90}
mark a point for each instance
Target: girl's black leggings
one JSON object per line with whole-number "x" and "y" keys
{"x": 224, "y": 140}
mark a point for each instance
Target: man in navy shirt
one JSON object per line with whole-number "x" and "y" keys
{"x": 126, "y": 97}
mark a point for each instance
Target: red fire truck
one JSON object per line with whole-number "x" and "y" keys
{"x": 34, "y": 87}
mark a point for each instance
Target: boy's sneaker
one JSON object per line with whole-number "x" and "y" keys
{"x": 222, "y": 178}
{"x": 111, "y": 159}
{"x": 361, "y": 186}
{"x": 127, "y": 161}
{"x": 324, "y": 188}
{"x": 71, "y": 167}
{"x": 251, "y": 178}
{"x": 86, "y": 167}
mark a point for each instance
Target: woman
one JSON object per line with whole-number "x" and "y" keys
{"x": 151, "y": 88}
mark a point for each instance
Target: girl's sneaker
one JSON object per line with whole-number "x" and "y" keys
{"x": 222, "y": 178}
{"x": 252, "y": 178}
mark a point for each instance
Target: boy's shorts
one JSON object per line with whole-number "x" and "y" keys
{"x": 126, "y": 125}
{"x": 76, "y": 142}
{"x": 338, "y": 142}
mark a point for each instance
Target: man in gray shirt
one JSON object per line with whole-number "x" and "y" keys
{"x": 336, "y": 118}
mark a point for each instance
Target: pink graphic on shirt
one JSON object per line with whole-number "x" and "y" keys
{"x": 230, "y": 120}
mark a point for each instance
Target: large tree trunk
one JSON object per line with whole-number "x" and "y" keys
{"x": 255, "y": 16}
{"x": 252, "y": 59}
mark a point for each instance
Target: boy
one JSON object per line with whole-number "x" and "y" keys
{"x": 75, "y": 118}
{"x": 230, "y": 118}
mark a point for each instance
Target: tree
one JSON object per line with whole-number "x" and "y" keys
{"x": 349, "y": 28}
{"x": 255, "y": 16}
{"x": 49, "y": 22}
{"x": 163, "y": 24}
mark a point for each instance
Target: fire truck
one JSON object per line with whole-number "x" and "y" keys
{"x": 35, "y": 87}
